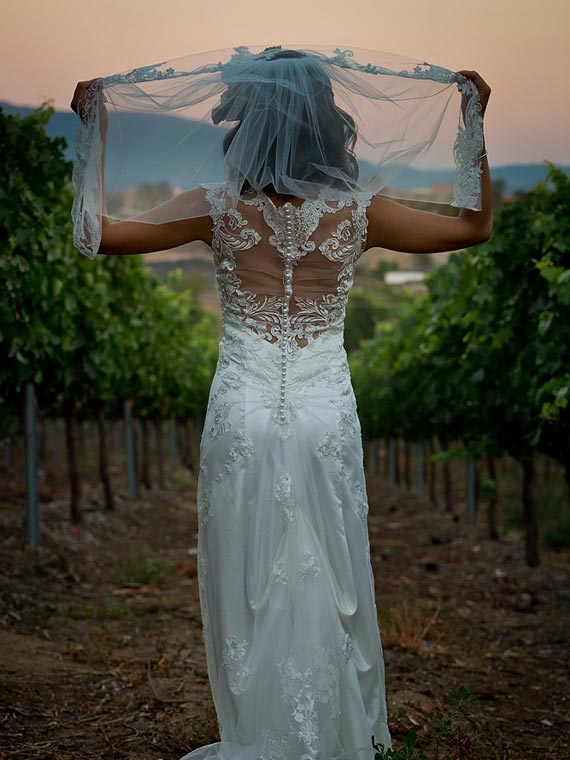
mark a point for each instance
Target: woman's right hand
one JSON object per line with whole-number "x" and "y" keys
{"x": 79, "y": 96}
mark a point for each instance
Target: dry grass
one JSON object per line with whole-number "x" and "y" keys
{"x": 409, "y": 623}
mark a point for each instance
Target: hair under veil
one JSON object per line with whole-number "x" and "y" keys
{"x": 319, "y": 117}
{"x": 310, "y": 123}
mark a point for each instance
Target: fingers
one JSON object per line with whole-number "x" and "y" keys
{"x": 78, "y": 100}
{"x": 476, "y": 78}
{"x": 473, "y": 75}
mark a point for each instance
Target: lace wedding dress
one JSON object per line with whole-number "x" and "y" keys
{"x": 290, "y": 627}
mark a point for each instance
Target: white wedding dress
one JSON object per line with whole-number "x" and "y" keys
{"x": 290, "y": 627}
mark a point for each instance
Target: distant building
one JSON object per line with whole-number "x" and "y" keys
{"x": 411, "y": 193}
{"x": 441, "y": 192}
{"x": 403, "y": 277}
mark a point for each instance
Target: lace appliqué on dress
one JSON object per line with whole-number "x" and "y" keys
{"x": 304, "y": 687}
{"x": 309, "y": 567}
{"x": 346, "y": 646}
{"x": 278, "y": 572}
{"x": 204, "y": 504}
{"x": 202, "y": 573}
{"x": 221, "y": 419}
{"x": 283, "y": 496}
{"x": 264, "y": 316}
{"x": 332, "y": 445}
{"x": 233, "y": 655}
{"x": 274, "y": 744}
{"x": 242, "y": 447}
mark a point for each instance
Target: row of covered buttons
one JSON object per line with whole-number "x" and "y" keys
{"x": 288, "y": 286}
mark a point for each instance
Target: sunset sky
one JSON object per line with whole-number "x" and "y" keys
{"x": 521, "y": 47}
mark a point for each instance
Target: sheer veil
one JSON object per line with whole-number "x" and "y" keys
{"x": 301, "y": 121}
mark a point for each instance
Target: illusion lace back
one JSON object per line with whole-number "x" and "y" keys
{"x": 290, "y": 626}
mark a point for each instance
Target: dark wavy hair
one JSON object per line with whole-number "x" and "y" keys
{"x": 338, "y": 132}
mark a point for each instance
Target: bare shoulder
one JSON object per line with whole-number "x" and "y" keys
{"x": 397, "y": 227}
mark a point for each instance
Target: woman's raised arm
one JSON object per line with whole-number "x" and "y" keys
{"x": 133, "y": 237}
{"x": 397, "y": 227}
{"x": 129, "y": 237}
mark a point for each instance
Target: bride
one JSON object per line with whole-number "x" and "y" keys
{"x": 287, "y": 594}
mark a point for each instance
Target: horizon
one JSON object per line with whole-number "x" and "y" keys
{"x": 434, "y": 168}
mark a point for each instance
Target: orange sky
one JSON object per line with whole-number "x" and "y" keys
{"x": 521, "y": 47}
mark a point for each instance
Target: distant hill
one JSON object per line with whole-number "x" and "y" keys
{"x": 515, "y": 176}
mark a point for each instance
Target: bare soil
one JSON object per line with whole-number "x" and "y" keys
{"x": 93, "y": 667}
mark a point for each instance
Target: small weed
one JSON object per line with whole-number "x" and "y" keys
{"x": 63, "y": 609}
{"x": 554, "y": 523}
{"x": 443, "y": 731}
{"x": 178, "y": 477}
{"x": 113, "y": 610}
{"x": 408, "y": 624}
{"x": 19, "y": 600}
{"x": 83, "y": 612}
{"x": 144, "y": 569}
{"x": 110, "y": 610}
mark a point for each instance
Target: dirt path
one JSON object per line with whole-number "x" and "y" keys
{"x": 97, "y": 667}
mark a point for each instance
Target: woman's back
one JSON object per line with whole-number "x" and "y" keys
{"x": 285, "y": 270}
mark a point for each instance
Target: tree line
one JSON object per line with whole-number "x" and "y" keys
{"x": 482, "y": 360}
{"x": 88, "y": 335}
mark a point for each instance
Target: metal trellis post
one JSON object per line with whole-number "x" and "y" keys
{"x": 173, "y": 442}
{"x": 32, "y": 513}
{"x": 130, "y": 446}
{"x": 420, "y": 478}
{"x": 471, "y": 500}
{"x": 392, "y": 462}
